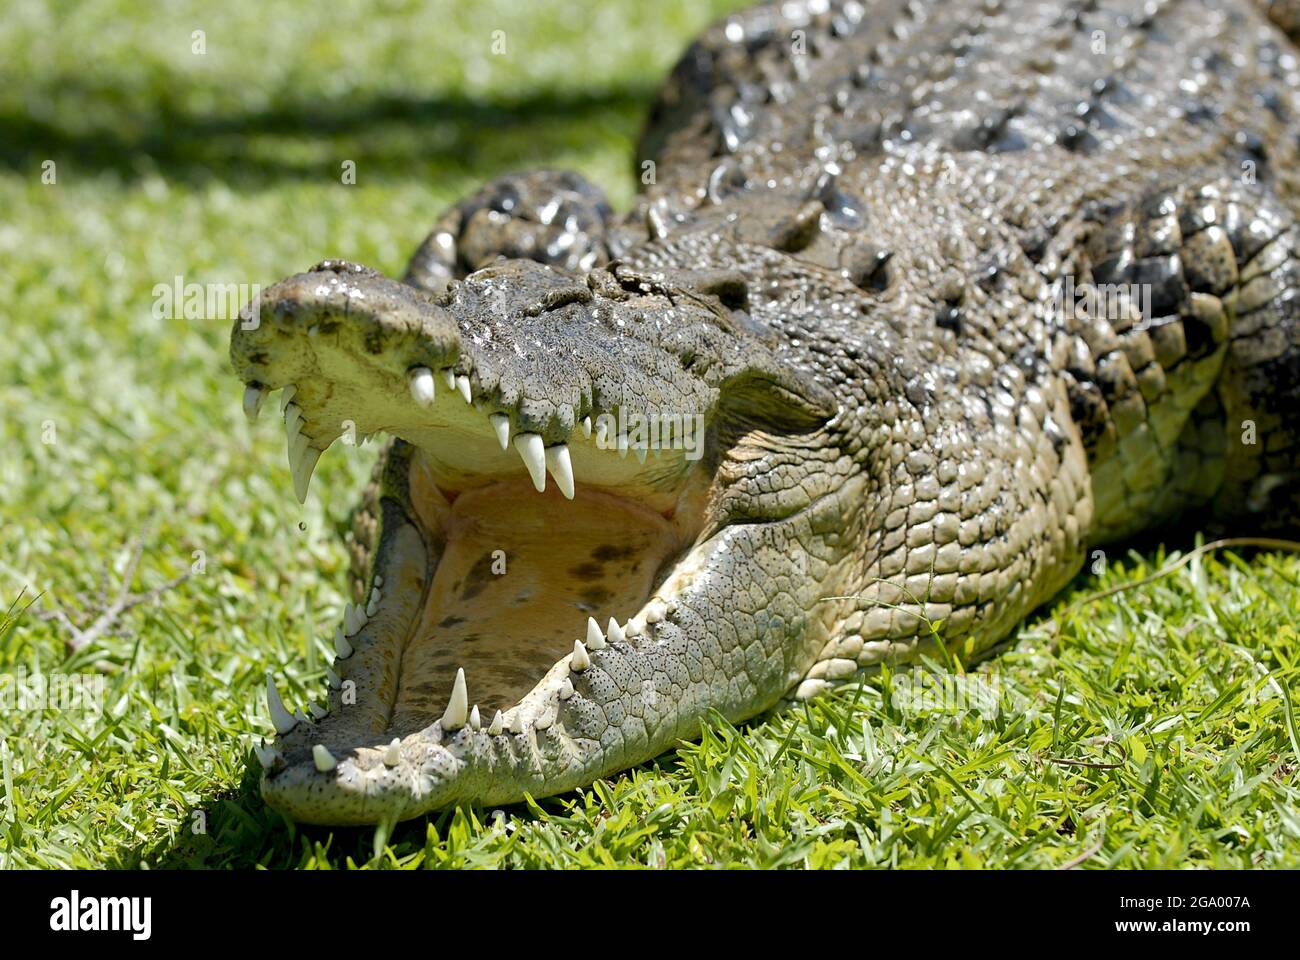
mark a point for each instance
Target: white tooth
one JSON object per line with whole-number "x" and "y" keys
{"x": 517, "y": 722}
{"x": 634, "y": 627}
{"x": 454, "y": 716}
{"x": 266, "y": 756}
{"x": 354, "y": 618}
{"x": 561, "y": 467}
{"x": 655, "y": 611}
{"x": 254, "y": 396}
{"x": 566, "y": 688}
{"x": 373, "y": 606}
{"x": 300, "y": 716}
{"x": 462, "y": 384}
{"x": 301, "y": 471}
{"x": 333, "y": 679}
{"x": 295, "y": 449}
{"x": 533, "y": 452}
{"x": 616, "y": 634}
{"x": 393, "y": 753}
{"x": 475, "y": 721}
{"x": 494, "y": 728}
{"x": 341, "y": 646}
{"x": 602, "y": 434}
{"x": 595, "y": 639}
{"x": 293, "y": 418}
{"x": 501, "y": 424}
{"x": 293, "y": 468}
{"x": 325, "y": 761}
{"x": 317, "y": 711}
{"x": 579, "y": 661}
{"x": 300, "y": 443}
{"x": 379, "y": 581}
{"x": 282, "y": 718}
{"x": 287, "y": 395}
{"x": 421, "y": 383}
{"x": 586, "y": 427}
{"x": 449, "y": 378}
{"x": 297, "y": 463}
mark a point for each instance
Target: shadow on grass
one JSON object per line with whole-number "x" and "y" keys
{"x": 239, "y": 831}
{"x": 103, "y": 129}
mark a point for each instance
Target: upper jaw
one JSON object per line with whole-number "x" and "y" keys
{"x": 534, "y": 361}
{"x": 540, "y": 354}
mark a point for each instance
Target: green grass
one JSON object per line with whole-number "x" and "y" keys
{"x": 225, "y": 168}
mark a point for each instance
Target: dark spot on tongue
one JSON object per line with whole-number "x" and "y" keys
{"x": 608, "y": 551}
{"x": 478, "y": 577}
{"x": 587, "y": 571}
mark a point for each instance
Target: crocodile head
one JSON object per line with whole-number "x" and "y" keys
{"x": 580, "y": 540}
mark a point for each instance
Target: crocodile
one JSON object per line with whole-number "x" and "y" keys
{"x": 918, "y": 304}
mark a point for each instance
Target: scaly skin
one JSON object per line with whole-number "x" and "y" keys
{"x": 861, "y": 219}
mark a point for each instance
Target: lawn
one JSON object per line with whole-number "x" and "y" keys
{"x": 1152, "y": 727}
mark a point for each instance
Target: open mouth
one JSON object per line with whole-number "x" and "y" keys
{"x": 505, "y": 566}
{"x": 551, "y": 563}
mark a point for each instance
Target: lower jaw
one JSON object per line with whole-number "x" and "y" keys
{"x": 497, "y": 581}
